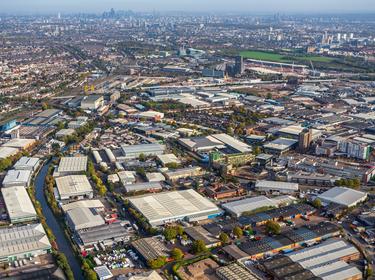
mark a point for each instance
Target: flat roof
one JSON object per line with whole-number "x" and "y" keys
{"x": 150, "y": 248}
{"x": 343, "y": 196}
{"x": 233, "y": 142}
{"x": 161, "y": 207}
{"x": 18, "y": 203}
{"x": 235, "y": 271}
{"x": 102, "y": 233}
{"x": 143, "y": 186}
{"x": 281, "y": 144}
{"x": 88, "y": 203}
{"x": 248, "y": 204}
{"x": 72, "y": 164}
{"x": 168, "y": 158}
{"x": 73, "y": 185}
{"x": 26, "y": 163}
{"x": 22, "y": 239}
{"x": 84, "y": 218}
{"x": 276, "y": 185}
{"x": 13, "y": 177}
{"x": 6, "y": 152}
{"x": 142, "y": 148}
{"x": 19, "y": 143}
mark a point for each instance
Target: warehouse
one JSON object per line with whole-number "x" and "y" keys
{"x": 89, "y": 203}
{"x": 74, "y": 186}
{"x": 172, "y": 206}
{"x": 200, "y": 233}
{"x": 17, "y": 178}
{"x": 82, "y": 218}
{"x": 126, "y": 177}
{"x": 237, "y": 208}
{"x": 150, "y": 248}
{"x": 174, "y": 175}
{"x": 6, "y": 152}
{"x": 92, "y": 102}
{"x": 235, "y": 271}
{"x": 134, "y": 151}
{"x": 148, "y": 186}
{"x": 280, "y": 146}
{"x": 18, "y": 143}
{"x": 105, "y": 233}
{"x": 27, "y": 163}
{"x": 65, "y": 132}
{"x": 23, "y": 242}
{"x": 343, "y": 196}
{"x": 71, "y": 166}
{"x": 324, "y": 261}
{"x": 168, "y": 159}
{"x": 18, "y": 204}
{"x": 276, "y": 186}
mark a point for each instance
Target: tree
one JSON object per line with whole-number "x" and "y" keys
{"x": 177, "y": 254}
{"x": 224, "y": 238}
{"x": 199, "y": 246}
{"x": 170, "y": 233}
{"x": 142, "y": 157}
{"x": 238, "y": 232}
{"x": 317, "y": 203}
{"x": 273, "y": 227}
{"x": 179, "y": 230}
{"x": 257, "y": 150}
{"x": 157, "y": 263}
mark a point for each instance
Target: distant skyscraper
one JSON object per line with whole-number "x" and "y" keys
{"x": 305, "y": 139}
{"x": 239, "y": 66}
{"x": 59, "y": 15}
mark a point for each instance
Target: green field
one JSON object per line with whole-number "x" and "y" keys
{"x": 290, "y": 58}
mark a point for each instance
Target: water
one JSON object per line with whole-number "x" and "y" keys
{"x": 61, "y": 240}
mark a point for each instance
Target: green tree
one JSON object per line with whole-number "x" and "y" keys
{"x": 224, "y": 238}
{"x": 177, "y": 254}
{"x": 317, "y": 203}
{"x": 199, "y": 246}
{"x": 157, "y": 263}
{"x": 273, "y": 227}
{"x": 142, "y": 157}
{"x": 180, "y": 230}
{"x": 170, "y": 233}
{"x": 238, "y": 232}
{"x": 257, "y": 150}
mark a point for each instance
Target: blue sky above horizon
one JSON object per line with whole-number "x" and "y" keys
{"x": 271, "y": 6}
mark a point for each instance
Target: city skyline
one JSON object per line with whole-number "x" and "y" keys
{"x": 267, "y": 6}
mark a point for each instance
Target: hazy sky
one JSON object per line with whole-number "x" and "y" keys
{"x": 47, "y": 6}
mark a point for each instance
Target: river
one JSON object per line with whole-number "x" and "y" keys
{"x": 61, "y": 240}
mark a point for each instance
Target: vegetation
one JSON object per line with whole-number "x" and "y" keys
{"x": 177, "y": 254}
{"x": 79, "y": 134}
{"x": 157, "y": 263}
{"x": 238, "y": 232}
{"x": 62, "y": 262}
{"x": 164, "y": 106}
{"x": 199, "y": 247}
{"x": 224, "y": 238}
{"x": 350, "y": 183}
{"x": 317, "y": 203}
{"x": 88, "y": 272}
{"x": 273, "y": 227}
{"x": 100, "y": 187}
{"x": 170, "y": 233}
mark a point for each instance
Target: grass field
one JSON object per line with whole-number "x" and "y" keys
{"x": 275, "y": 57}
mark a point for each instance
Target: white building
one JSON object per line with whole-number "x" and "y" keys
{"x": 17, "y": 178}
{"x": 276, "y": 186}
{"x": 343, "y": 196}
{"x": 172, "y": 206}
{"x": 27, "y": 163}
{"x": 238, "y": 207}
{"x": 74, "y": 186}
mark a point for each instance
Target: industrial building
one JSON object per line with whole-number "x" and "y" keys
{"x": 147, "y": 186}
{"x": 74, "y": 186}
{"x": 276, "y": 186}
{"x": 18, "y": 204}
{"x": 27, "y": 163}
{"x": 174, "y": 175}
{"x": 235, "y": 271}
{"x": 168, "y": 159}
{"x": 64, "y": 133}
{"x": 71, "y": 166}
{"x": 17, "y": 178}
{"x": 324, "y": 261}
{"x": 21, "y": 144}
{"x": 172, "y": 206}
{"x": 92, "y": 102}
{"x": 280, "y": 146}
{"x": 200, "y": 233}
{"x": 6, "y": 152}
{"x": 82, "y": 218}
{"x": 237, "y": 208}
{"x": 343, "y": 196}
{"x": 88, "y": 203}
{"x": 107, "y": 234}
{"x": 134, "y": 151}
{"x": 150, "y": 248}
{"x": 21, "y": 242}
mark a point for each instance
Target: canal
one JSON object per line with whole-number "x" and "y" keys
{"x": 61, "y": 240}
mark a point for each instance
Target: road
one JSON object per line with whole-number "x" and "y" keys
{"x": 61, "y": 240}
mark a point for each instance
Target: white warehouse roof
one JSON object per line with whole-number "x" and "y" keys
{"x": 17, "y": 178}
{"x": 73, "y": 185}
{"x": 26, "y": 163}
{"x": 249, "y": 204}
{"x": 72, "y": 164}
{"x": 163, "y": 207}
{"x": 343, "y": 196}
{"x": 265, "y": 185}
{"x": 81, "y": 218}
{"x": 18, "y": 204}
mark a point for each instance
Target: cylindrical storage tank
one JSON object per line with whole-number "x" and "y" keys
{"x": 97, "y": 157}
{"x": 110, "y": 155}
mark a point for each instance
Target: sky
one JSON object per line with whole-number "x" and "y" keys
{"x": 251, "y": 6}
